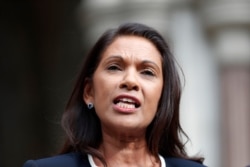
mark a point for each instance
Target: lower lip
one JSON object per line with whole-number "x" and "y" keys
{"x": 124, "y": 110}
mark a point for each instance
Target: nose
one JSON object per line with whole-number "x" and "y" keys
{"x": 129, "y": 81}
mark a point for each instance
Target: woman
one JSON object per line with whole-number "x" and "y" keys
{"x": 124, "y": 108}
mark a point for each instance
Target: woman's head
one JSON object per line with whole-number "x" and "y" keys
{"x": 126, "y": 86}
{"x": 83, "y": 126}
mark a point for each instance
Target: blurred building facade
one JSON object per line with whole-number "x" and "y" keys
{"x": 211, "y": 40}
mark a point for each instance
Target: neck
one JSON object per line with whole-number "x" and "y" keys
{"x": 126, "y": 150}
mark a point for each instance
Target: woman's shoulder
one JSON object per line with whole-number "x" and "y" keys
{"x": 63, "y": 160}
{"x": 79, "y": 160}
{"x": 179, "y": 162}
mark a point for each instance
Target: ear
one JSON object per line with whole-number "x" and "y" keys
{"x": 88, "y": 91}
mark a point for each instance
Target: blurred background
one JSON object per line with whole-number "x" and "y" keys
{"x": 42, "y": 44}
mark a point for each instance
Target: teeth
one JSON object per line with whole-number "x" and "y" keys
{"x": 127, "y": 100}
{"x": 125, "y": 105}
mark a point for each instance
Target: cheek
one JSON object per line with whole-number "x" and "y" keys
{"x": 100, "y": 90}
{"x": 153, "y": 97}
{"x": 103, "y": 88}
{"x": 156, "y": 91}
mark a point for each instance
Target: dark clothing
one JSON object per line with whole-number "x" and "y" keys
{"x": 78, "y": 160}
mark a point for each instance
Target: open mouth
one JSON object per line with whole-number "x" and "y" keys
{"x": 125, "y": 102}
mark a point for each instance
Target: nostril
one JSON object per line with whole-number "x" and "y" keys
{"x": 129, "y": 86}
{"x": 122, "y": 86}
{"x": 136, "y": 88}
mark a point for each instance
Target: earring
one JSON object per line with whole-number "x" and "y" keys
{"x": 90, "y": 105}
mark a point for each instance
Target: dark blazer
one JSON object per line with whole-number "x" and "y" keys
{"x": 78, "y": 160}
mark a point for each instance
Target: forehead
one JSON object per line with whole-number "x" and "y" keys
{"x": 133, "y": 46}
{"x": 131, "y": 41}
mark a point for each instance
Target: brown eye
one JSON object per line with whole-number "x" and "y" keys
{"x": 148, "y": 72}
{"x": 114, "y": 68}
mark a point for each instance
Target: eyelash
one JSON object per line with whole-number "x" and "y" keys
{"x": 114, "y": 68}
{"x": 148, "y": 72}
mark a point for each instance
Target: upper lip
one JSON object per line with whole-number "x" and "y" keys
{"x": 133, "y": 98}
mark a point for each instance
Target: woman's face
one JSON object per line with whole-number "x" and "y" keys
{"x": 127, "y": 84}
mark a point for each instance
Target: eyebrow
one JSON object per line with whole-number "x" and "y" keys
{"x": 152, "y": 63}
{"x": 114, "y": 57}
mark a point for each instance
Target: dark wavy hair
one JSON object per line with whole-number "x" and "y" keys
{"x": 163, "y": 135}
